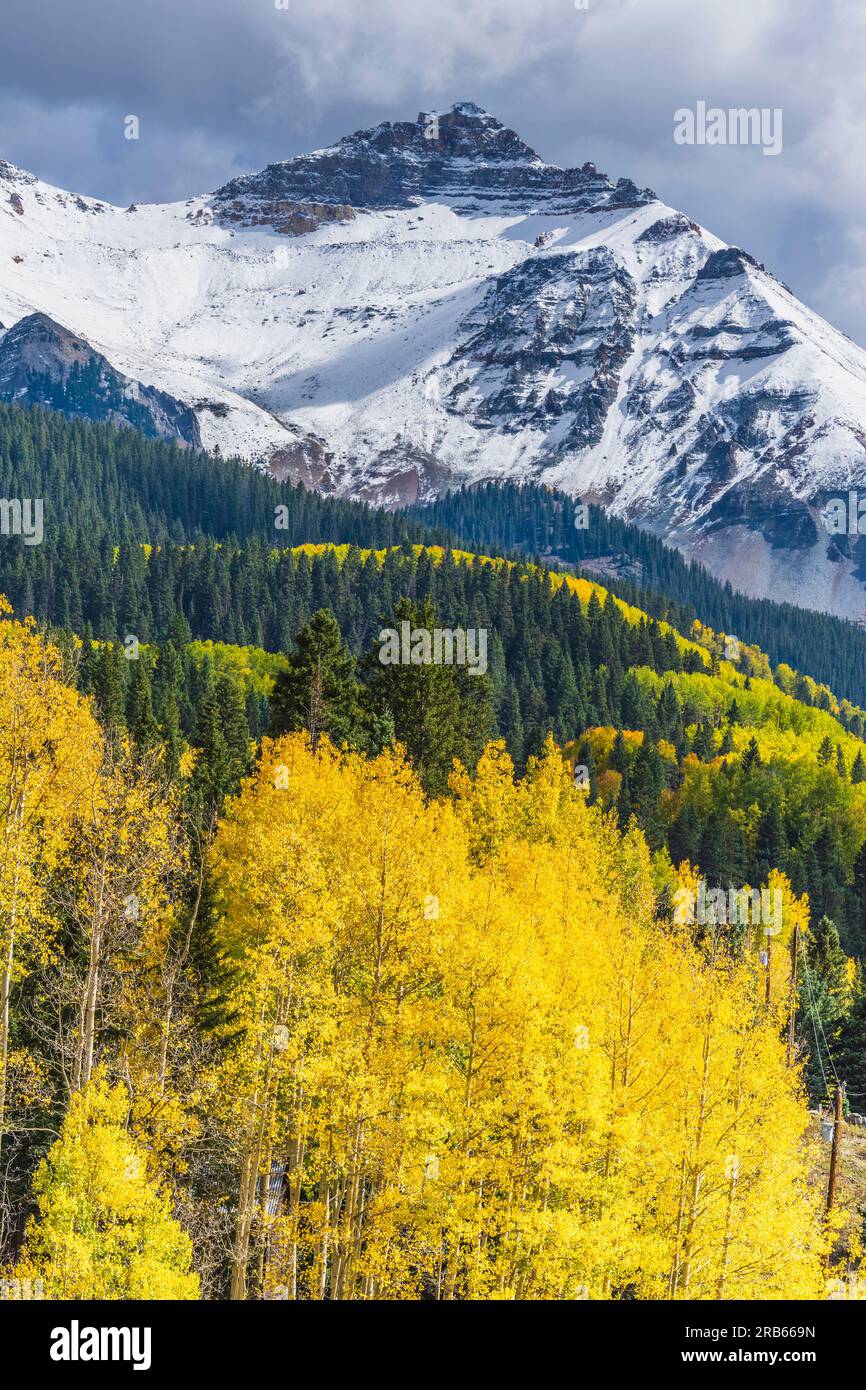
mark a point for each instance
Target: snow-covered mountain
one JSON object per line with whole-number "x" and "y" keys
{"x": 428, "y": 302}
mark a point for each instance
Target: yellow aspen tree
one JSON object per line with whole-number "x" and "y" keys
{"x": 271, "y": 864}
{"x": 103, "y": 1229}
{"x": 117, "y": 866}
{"x": 49, "y": 748}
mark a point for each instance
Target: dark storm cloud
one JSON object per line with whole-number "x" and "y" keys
{"x": 222, "y": 86}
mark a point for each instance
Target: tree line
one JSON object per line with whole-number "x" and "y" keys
{"x": 104, "y": 487}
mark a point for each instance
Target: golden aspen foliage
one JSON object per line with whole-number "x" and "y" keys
{"x": 50, "y": 747}
{"x": 103, "y": 1229}
{"x": 469, "y": 1058}
{"x": 114, "y": 891}
{"x": 89, "y": 863}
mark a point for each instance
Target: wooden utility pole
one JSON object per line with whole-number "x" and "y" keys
{"x": 834, "y": 1152}
{"x": 794, "y": 952}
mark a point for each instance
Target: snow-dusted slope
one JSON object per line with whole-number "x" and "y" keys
{"x": 429, "y": 302}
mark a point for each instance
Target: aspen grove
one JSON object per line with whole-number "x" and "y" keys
{"x": 335, "y": 1037}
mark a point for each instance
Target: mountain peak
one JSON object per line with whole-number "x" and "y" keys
{"x": 468, "y": 131}
{"x": 10, "y": 173}
{"x": 462, "y": 131}
{"x": 469, "y": 108}
{"x": 463, "y": 155}
{"x": 39, "y": 328}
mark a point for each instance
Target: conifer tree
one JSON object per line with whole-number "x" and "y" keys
{"x": 108, "y": 676}
{"x": 751, "y": 756}
{"x": 851, "y": 1050}
{"x": 771, "y": 845}
{"x": 140, "y": 719}
{"x": 825, "y": 752}
{"x": 318, "y": 691}
{"x": 857, "y": 910}
{"x": 440, "y": 712}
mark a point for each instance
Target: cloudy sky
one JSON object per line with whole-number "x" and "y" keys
{"x": 221, "y": 87}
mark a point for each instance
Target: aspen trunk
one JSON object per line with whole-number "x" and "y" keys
{"x": 8, "y": 964}
{"x": 175, "y": 973}
{"x": 86, "y": 1041}
{"x": 247, "y": 1195}
{"x": 673, "y": 1282}
{"x": 728, "y": 1238}
{"x": 697, "y": 1174}
{"x": 242, "y": 1234}
{"x": 6, "y": 987}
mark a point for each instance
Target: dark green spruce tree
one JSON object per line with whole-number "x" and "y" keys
{"x": 440, "y": 712}
{"x": 319, "y": 691}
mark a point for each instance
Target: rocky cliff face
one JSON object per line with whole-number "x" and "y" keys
{"x": 280, "y": 214}
{"x": 42, "y": 363}
{"x": 546, "y": 346}
{"x": 463, "y": 155}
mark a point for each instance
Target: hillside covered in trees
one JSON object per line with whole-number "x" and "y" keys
{"x": 103, "y": 488}
{"x": 358, "y": 980}
{"x": 727, "y": 763}
{"x": 372, "y": 1043}
{"x": 539, "y": 521}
